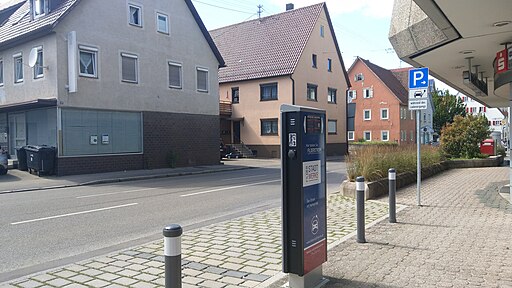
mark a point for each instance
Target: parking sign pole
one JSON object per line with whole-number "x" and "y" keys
{"x": 418, "y": 179}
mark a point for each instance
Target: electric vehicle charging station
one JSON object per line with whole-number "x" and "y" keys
{"x": 303, "y": 141}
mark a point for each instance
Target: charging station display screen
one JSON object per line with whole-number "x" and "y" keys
{"x": 313, "y": 124}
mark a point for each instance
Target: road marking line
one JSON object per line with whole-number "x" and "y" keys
{"x": 72, "y": 214}
{"x": 228, "y": 188}
{"x": 114, "y": 193}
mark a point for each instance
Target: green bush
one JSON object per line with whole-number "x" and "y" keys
{"x": 462, "y": 138}
{"x": 500, "y": 150}
{"x": 373, "y": 162}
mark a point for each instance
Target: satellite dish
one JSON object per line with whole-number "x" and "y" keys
{"x": 32, "y": 57}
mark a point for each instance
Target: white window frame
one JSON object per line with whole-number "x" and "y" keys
{"x": 350, "y": 135}
{"x": 358, "y": 77}
{"x": 44, "y": 9}
{"x": 335, "y": 127}
{"x": 369, "y": 94}
{"x": 386, "y": 132}
{"x": 139, "y": 7}
{"x": 175, "y": 64}
{"x": 387, "y": 113}
{"x": 16, "y": 79}
{"x": 313, "y": 88}
{"x": 159, "y": 14}
{"x": 39, "y": 67}
{"x": 203, "y": 69}
{"x": 132, "y": 56}
{"x": 351, "y": 95}
{"x": 322, "y": 31}
{"x": 94, "y": 52}
{"x": 364, "y": 135}
{"x": 1, "y": 72}
{"x": 332, "y": 99}
{"x": 369, "y": 114}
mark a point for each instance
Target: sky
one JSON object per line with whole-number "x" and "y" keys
{"x": 361, "y": 26}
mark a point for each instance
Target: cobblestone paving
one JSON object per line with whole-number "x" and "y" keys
{"x": 246, "y": 253}
{"x": 461, "y": 237}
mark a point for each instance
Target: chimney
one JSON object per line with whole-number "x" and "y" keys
{"x": 289, "y": 6}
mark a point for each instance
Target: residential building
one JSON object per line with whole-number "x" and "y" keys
{"x": 130, "y": 89}
{"x": 288, "y": 58}
{"x": 380, "y": 104}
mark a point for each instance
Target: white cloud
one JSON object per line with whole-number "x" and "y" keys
{"x": 368, "y": 8}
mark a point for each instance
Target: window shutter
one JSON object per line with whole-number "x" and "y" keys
{"x": 370, "y": 91}
{"x": 174, "y": 75}
{"x": 129, "y": 68}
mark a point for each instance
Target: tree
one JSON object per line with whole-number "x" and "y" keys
{"x": 462, "y": 138}
{"x": 446, "y": 107}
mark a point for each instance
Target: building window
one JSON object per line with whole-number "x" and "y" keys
{"x": 135, "y": 15}
{"x": 268, "y": 126}
{"x": 350, "y": 135}
{"x": 367, "y": 135}
{"x": 1, "y": 72}
{"x": 384, "y": 113}
{"x": 268, "y": 92}
{"x": 384, "y": 135}
{"x": 331, "y": 95}
{"x": 367, "y": 114}
{"x": 332, "y": 127}
{"x": 88, "y": 61}
{"x": 358, "y": 77}
{"x": 129, "y": 68}
{"x": 329, "y": 65}
{"x": 175, "y": 75}
{"x": 38, "y": 68}
{"x": 313, "y": 61}
{"x": 38, "y": 8}
{"x": 311, "y": 96}
{"x": 235, "y": 95}
{"x": 18, "y": 68}
{"x": 202, "y": 80}
{"x": 403, "y": 113}
{"x": 351, "y": 95}
{"x": 412, "y": 136}
{"x": 162, "y": 23}
{"x": 367, "y": 92}
{"x": 322, "y": 31}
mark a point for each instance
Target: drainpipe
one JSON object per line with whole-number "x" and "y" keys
{"x": 293, "y": 89}
{"x": 346, "y": 118}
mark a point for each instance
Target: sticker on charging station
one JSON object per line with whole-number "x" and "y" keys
{"x": 292, "y": 139}
{"x": 311, "y": 173}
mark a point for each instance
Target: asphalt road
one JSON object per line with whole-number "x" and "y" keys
{"x": 44, "y": 229}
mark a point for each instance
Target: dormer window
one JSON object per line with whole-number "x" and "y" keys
{"x": 39, "y": 8}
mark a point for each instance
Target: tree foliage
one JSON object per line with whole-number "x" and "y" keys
{"x": 446, "y": 107}
{"x": 462, "y": 138}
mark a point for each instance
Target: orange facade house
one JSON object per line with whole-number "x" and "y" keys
{"x": 379, "y": 98}
{"x": 288, "y": 58}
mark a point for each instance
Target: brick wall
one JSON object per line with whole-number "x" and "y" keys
{"x": 193, "y": 138}
{"x": 98, "y": 164}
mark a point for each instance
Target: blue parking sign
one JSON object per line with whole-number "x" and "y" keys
{"x": 418, "y": 78}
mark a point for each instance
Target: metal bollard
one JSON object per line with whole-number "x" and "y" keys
{"x": 360, "y": 209}
{"x": 172, "y": 253}
{"x": 392, "y": 195}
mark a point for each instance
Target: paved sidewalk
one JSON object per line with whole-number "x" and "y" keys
{"x": 461, "y": 237}
{"x": 243, "y": 252}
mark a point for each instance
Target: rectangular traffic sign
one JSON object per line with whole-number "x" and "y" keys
{"x": 418, "y": 94}
{"x": 420, "y": 104}
{"x": 418, "y": 78}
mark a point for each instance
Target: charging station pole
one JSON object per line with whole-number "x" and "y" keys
{"x": 303, "y": 138}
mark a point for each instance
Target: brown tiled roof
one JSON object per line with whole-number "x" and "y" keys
{"x": 20, "y": 24}
{"x": 395, "y": 81}
{"x": 266, "y": 47}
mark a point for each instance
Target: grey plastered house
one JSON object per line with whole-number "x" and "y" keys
{"x": 114, "y": 85}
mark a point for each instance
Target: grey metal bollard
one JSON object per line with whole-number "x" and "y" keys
{"x": 360, "y": 209}
{"x": 172, "y": 253}
{"x": 392, "y": 195}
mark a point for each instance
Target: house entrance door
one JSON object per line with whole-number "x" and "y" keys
{"x": 17, "y": 132}
{"x": 236, "y": 132}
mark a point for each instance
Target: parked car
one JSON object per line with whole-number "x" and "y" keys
{"x": 4, "y": 156}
